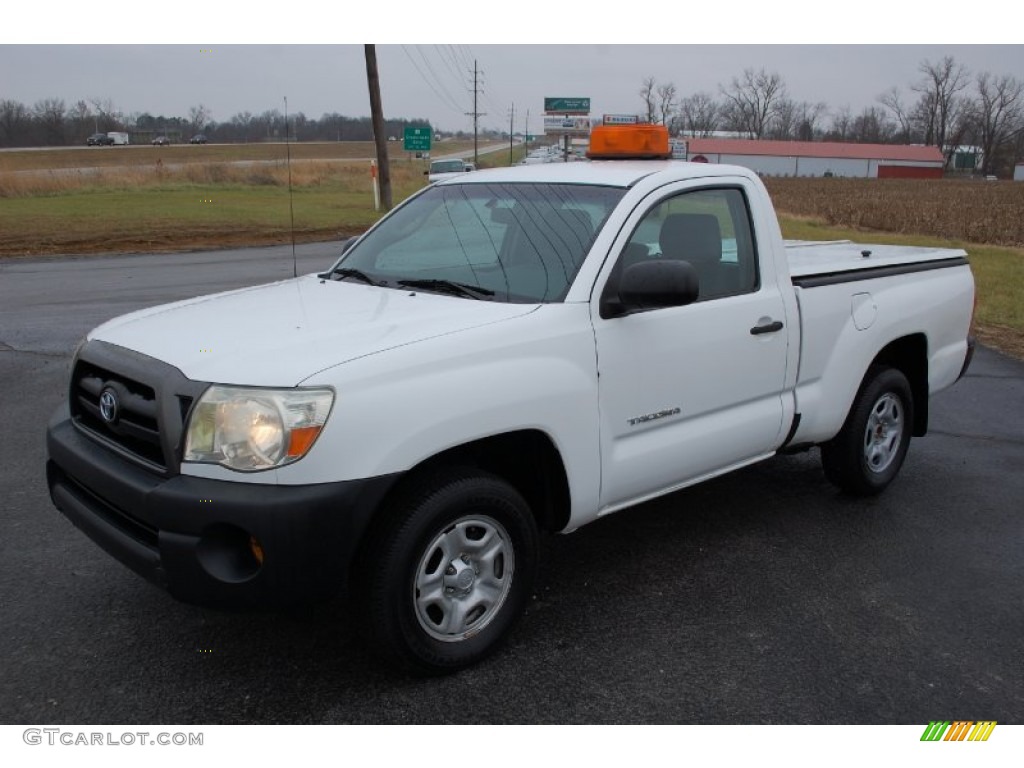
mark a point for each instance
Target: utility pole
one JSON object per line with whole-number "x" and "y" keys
{"x": 476, "y": 115}
{"x": 511, "y": 128}
{"x": 526, "y": 132}
{"x": 377, "y": 119}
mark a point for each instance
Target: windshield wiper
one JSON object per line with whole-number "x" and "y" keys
{"x": 449, "y": 286}
{"x": 343, "y": 272}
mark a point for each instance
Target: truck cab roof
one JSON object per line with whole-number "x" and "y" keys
{"x": 611, "y": 173}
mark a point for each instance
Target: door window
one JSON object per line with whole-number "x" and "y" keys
{"x": 709, "y": 228}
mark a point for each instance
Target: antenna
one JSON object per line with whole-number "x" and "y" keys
{"x": 291, "y": 205}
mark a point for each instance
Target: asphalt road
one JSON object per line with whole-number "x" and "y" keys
{"x": 761, "y": 597}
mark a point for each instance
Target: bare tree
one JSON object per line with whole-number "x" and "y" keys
{"x": 648, "y": 92}
{"x": 893, "y": 101}
{"x": 700, "y": 114}
{"x": 271, "y": 121}
{"x": 50, "y": 114}
{"x": 81, "y": 119}
{"x": 14, "y": 121}
{"x": 784, "y": 125}
{"x": 808, "y": 116}
{"x": 198, "y": 117}
{"x": 940, "y": 104}
{"x": 872, "y": 126}
{"x": 752, "y": 100}
{"x": 997, "y": 113}
{"x": 842, "y": 122}
{"x": 107, "y": 116}
{"x": 666, "y": 102}
{"x": 242, "y": 123}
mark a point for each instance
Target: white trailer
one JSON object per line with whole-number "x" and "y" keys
{"x": 119, "y": 137}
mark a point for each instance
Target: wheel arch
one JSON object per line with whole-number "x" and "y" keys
{"x": 526, "y": 459}
{"x": 909, "y": 355}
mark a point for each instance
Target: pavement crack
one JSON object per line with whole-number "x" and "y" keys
{"x": 974, "y": 436}
{"x": 992, "y": 376}
{"x": 4, "y": 347}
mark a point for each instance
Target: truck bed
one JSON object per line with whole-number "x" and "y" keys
{"x": 839, "y": 258}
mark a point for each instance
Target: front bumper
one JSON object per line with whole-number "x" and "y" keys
{"x": 194, "y": 536}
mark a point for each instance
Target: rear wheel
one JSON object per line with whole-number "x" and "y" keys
{"x": 443, "y": 578}
{"x": 869, "y": 450}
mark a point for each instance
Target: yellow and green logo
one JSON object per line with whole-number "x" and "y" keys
{"x": 958, "y": 730}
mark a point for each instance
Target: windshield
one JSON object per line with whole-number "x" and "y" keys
{"x": 520, "y": 242}
{"x": 447, "y": 166}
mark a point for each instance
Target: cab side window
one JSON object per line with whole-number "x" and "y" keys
{"x": 710, "y": 228}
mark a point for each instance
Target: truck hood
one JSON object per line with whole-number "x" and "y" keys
{"x": 283, "y": 333}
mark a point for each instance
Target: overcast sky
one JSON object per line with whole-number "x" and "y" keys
{"x": 140, "y": 70}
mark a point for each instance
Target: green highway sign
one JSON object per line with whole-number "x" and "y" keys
{"x": 418, "y": 139}
{"x": 565, "y": 106}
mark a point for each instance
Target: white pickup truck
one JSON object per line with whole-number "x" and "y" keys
{"x": 507, "y": 352}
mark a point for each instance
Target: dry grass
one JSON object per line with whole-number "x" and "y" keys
{"x": 971, "y": 211}
{"x": 147, "y": 156}
{"x": 56, "y": 172}
{"x": 304, "y": 173}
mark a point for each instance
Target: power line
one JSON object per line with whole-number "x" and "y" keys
{"x": 465, "y": 62}
{"x": 434, "y": 74}
{"x": 448, "y": 104}
{"x": 450, "y": 61}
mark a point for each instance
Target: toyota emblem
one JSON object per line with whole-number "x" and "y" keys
{"x": 108, "y": 405}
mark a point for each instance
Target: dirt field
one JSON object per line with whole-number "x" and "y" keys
{"x": 972, "y": 211}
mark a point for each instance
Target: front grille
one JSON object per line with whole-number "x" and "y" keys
{"x": 128, "y": 524}
{"x": 153, "y": 403}
{"x": 136, "y": 428}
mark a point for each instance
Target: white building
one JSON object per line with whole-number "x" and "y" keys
{"x": 821, "y": 158}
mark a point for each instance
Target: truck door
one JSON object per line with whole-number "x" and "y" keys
{"x": 686, "y": 392}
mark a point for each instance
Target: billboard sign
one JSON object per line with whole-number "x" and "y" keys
{"x": 563, "y": 126}
{"x": 562, "y": 105}
{"x": 621, "y": 119}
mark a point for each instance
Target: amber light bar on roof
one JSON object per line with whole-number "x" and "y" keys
{"x": 629, "y": 142}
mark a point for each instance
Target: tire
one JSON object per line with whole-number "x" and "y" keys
{"x": 445, "y": 574}
{"x": 869, "y": 450}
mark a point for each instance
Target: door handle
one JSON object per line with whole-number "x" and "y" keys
{"x": 766, "y": 328}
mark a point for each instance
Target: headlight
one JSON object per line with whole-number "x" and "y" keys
{"x": 252, "y": 429}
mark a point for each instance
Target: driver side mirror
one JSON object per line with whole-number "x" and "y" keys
{"x": 648, "y": 285}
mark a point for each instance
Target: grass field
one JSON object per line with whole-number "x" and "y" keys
{"x": 237, "y": 194}
{"x": 220, "y": 196}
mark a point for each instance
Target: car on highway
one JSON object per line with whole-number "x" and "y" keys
{"x": 100, "y": 140}
{"x": 160, "y": 141}
{"x": 199, "y": 138}
{"x": 446, "y": 169}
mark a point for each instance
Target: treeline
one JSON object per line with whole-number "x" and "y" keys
{"x": 51, "y": 122}
{"x": 946, "y": 106}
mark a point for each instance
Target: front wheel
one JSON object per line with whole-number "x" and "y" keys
{"x": 869, "y": 450}
{"x": 441, "y": 579}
